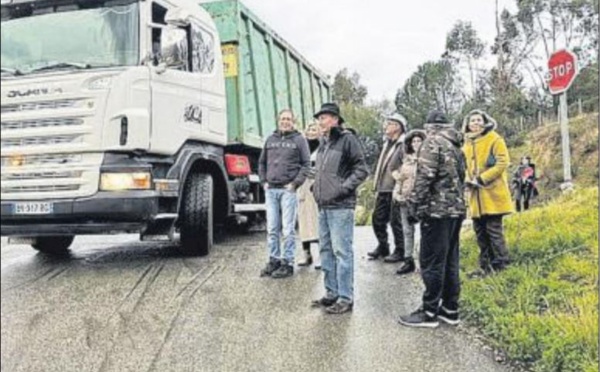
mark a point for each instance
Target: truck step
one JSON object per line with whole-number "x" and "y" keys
{"x": 160, "y": 229}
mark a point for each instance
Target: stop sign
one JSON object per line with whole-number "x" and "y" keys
{"x": 562, "y": 67}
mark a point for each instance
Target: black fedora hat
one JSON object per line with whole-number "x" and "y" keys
{"x": 330, "y": 108}
{"x": 437, "y": 117}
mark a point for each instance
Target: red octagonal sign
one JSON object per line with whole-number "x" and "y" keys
{"x": 562, "y": 67}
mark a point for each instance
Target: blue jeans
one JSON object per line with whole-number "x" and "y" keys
{"x": 336, "y": 233}
{"x": 282, "y": 212}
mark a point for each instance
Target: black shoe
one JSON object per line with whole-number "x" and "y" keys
{"x": 380, "y": 251}
{"x": 285, "y": 270}
{"x": 479, "y": 273}
{"x": 317, "y": 267}
{"x": 397, "y": 256}
{"x": 420, "y": 319}
{"x": 323, "y": 302}
{"x": 407, "y": 267}
{"x": 340, "y": 307}
{"x": 498, "y": 267}
{"x": 271, "y": 267}
{"x": 307, "y": 261}
{"x": 448, "y": 316}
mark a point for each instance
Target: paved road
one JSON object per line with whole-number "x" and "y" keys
{"x": 121, "y": 305}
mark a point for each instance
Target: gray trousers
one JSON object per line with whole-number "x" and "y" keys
{"x": 409, "y": 233}
{"x": 491, "y": 242}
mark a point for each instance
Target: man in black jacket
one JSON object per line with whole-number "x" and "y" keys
{"x": 341, "y": 168}
{"x": 283, "y": 166}
{"x": 387, "y": 211}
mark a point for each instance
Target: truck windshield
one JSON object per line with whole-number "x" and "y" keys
{"x": 82, "y": 38}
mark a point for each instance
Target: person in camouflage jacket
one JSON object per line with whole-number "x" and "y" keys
{"x": 438, "y": 191}
{"x": 437, "y": 201}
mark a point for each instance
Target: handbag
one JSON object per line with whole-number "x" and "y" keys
{"x": 491, "y": 159}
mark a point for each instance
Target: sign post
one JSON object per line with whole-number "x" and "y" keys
{"x": 562, "y": 67}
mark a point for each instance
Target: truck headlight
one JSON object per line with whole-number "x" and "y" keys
{"x": 125, "y": 181}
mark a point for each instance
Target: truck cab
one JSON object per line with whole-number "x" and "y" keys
{"x": 140, "y": 116}
{"x": 113, "y": 119}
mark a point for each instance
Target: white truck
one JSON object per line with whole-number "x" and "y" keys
{"x": 127, "y": 116}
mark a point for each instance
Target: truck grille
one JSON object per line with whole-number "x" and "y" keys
{"x": 33, "y": 177}
{"x": 35, "y": 106}
{"x": 36, "y": 160}
{"x": 41, "y": 141}
{"x": 37, "y": 189}
{"x": 41, "y": 175}
{"x": 41, "y": 123}
{"x": 47, "y": 150}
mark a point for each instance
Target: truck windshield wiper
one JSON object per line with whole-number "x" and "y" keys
{"x": 12, "y": 71}
{"x": 58, "y": 65}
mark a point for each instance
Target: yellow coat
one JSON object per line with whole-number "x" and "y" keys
{"x": 494, "y": 197}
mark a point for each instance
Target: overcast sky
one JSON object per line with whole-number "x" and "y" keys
{"x": 383, "y": 40}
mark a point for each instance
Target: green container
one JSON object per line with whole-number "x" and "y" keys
{"x": 264, "y": 75}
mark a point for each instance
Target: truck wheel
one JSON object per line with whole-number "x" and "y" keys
{"x": 53, "y": 244}
{"x": 197, "y": 215}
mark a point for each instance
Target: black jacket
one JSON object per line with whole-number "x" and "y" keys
{"x": 341, "y": 168}
{"x": 285, "y": 159}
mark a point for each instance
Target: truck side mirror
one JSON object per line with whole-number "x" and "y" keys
{"x": 177, "y": 17}
{"x": 174, "y": 47}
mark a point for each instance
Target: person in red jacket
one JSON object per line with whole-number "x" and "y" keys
{"x": 523, "y": 184}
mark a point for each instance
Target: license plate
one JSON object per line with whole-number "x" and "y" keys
{"x": 33, "y": 208}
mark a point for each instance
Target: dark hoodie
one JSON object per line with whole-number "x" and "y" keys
{"x": 285, "y": 159}
{"x": 341, "y": 168}
{"x": 439, "y": 184}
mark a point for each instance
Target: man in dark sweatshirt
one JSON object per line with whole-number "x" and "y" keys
{"x": 341, "y": 168}
{"x": 283, "y": 167}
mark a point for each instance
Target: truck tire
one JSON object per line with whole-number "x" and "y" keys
{"x": 197, "y": 215}
{"x": 54, "y": 245}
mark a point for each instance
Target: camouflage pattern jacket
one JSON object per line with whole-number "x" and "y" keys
{"x": 439, "y": 183}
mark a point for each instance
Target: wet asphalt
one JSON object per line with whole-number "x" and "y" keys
{"x": 117, "y": 304}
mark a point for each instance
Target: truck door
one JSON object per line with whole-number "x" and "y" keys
{"x": 177, "y": 108}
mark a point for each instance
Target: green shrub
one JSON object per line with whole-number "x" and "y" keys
{"x": 543, "y": 309}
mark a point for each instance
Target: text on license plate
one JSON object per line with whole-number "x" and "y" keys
{"x": 33, "y": 208}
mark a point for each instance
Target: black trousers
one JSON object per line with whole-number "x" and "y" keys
{"x": 492, "y": 245}
{"x": 387, "y": 211}
{"x": 523, "y": 196}
{"x": 439, "y": 259}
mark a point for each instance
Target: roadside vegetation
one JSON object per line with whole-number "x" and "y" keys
{"x": 542, "y": 311}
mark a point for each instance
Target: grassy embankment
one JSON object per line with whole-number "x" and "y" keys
{"x": 542, "y": 311}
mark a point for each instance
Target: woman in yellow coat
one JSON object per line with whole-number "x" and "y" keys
{"x": 489, "y": 198}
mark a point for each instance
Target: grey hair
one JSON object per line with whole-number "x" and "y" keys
{"x": 287, "y": 110}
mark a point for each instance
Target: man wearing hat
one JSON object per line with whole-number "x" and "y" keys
{"x": 437, "y": 201}
{"x": 386, "y": 210}
{"x": 341, "y": 168}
